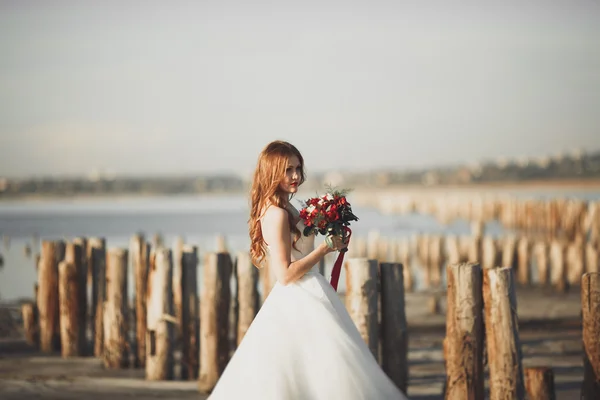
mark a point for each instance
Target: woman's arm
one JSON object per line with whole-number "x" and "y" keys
{"x": 276, "y": 232}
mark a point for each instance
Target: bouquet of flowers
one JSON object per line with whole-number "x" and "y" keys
{"x": 329, "y": 214}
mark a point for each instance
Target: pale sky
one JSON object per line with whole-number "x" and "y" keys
{"x": 200, "y": 87}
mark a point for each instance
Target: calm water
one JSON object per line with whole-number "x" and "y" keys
{"x": 198, "y": 219}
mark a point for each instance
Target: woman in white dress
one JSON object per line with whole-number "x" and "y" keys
{"x": 302, "y": 344}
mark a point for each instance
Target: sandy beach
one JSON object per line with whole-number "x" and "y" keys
{"x": 549, "y": 325}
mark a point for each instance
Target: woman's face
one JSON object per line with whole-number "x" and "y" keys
{"x": 293, "y": 174}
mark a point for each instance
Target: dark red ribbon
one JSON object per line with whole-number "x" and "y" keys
{"x": 337, "y": 267}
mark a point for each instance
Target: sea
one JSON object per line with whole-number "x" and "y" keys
{"x": 197, "y": 219}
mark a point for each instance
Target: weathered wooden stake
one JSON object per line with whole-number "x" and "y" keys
{"x": 502, "y": 335}
{"x": 542, "y": 256}
{"x": 558, "y": 269}
{"x": 590, "y": 305}
{"x": 161, "y": 321}
{"x": 71, "y": 329}
{"x": 116, "y": 349}
{"x": 523, "y": 261}
{"x": 140, "y": 260}
{"x": 97, "y": 269}
{"x": 75, "y": 255}
{"x": 394, "y": 330}
{"x": 575, "y": 262}
{"x": 48, "y": 307}
{"x": 592, "y": 258}
{"x": 190, "y": 313}
{"x": 247, "y": 276}
{"x": 464, "y": 332}
{"x": 30, "y": 324}
{"x": 362, "y": 298}
{"x": 214, "y": 317}
{"x": 539, "y": 383}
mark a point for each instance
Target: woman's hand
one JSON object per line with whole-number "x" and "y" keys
{"x": 335, "y": 243}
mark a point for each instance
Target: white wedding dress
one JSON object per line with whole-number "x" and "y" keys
{"x": 303, "y": 345}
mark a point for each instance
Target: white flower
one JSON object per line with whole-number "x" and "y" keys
{"x": 310, "y": 209}
{"x": 329, "y": 196}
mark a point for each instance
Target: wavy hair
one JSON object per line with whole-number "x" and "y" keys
{"x": 265, "y": 189}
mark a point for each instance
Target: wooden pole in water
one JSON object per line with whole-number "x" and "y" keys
{"x": 362, "y": 298}
{"x": 523, "y": 261}
{"x": 592, "y": 258}
{"x": 509, "y": 254}
{"x": 177, "y": 251}
{"x": 247, "y": 276}
{"x": 541, "y": 254}
{"x": 436, "y": 259}
{"x": 116, "y": 354}
{"x": 394, "y": 330}
{"x": 590, "y": 305}
{"x": 140, "y": 260}
{"x": 575, "y": 262}
{"x": 558, "y": 273}
{"x": 214, "y": 317}
{"x": 464, "y": 332}
{"x": 30, "y": 324}
{"x": 48, "y": 306}
{"x": 539, "y": 383}
{"x": 490, "y": 255}
{"x": 71, "y": 329}
{"x": 502, "y": 335}
{"x": 190, "y": 313}
{"x": 160, "y": 319}
{"x": 74, "y": 254}
{"x": 97, "y": 268}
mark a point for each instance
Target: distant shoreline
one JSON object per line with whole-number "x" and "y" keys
{"x": 588, "y": 185}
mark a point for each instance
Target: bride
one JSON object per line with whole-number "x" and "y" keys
{"x": 302, "y": 344}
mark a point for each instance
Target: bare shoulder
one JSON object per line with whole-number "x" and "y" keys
{"x": 274, "y": 216}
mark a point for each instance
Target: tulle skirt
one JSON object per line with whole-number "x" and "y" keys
{"x": 303, "y": 345}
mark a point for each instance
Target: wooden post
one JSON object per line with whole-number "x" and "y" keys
{"x": 394, "y": 330}
{"x": 177, "y": 288}
{"x": 71, "y": 328}
{"x": 74, "y": 254}
{"x": 214, "y": 317}
{"x": 575, "y": 259}
{"x": 541, "y": 254}
{"x": 116, "y": 354}
{"x": 436, "y": 259}
{"x": 362, "y": 298}
{"x": 489, "y": 256}
{"x": 161, "y": 321}
{"x": 97, "y": 270}
{"x": 423, "y": 257}
{"x": 539, "y": 383}
{"x": 30, "y": 323}
{"x": 247, "y": 276}
{"x": 523, "y": 264}
{"x": 464, "y": 332}
{"x": 592, "y": 258}
{"x": 404, "y": 258}
{"x": 140, "y": 260}
{"x": 48, "y": 307}
{"x": 590, "y": 305}
{"x": 558, "y": 273}
{"x": 502, "y": 335}
{"x": 190, "y": 313}
{"x": 509, "y": 254}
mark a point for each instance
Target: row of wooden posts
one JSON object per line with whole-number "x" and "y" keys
{"x": 555, "y": 217}
{"x": 555, "y": 263}
{"x": 171, "y": 315}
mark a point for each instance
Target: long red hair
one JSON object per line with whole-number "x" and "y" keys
{"x": 270, "y": 172}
